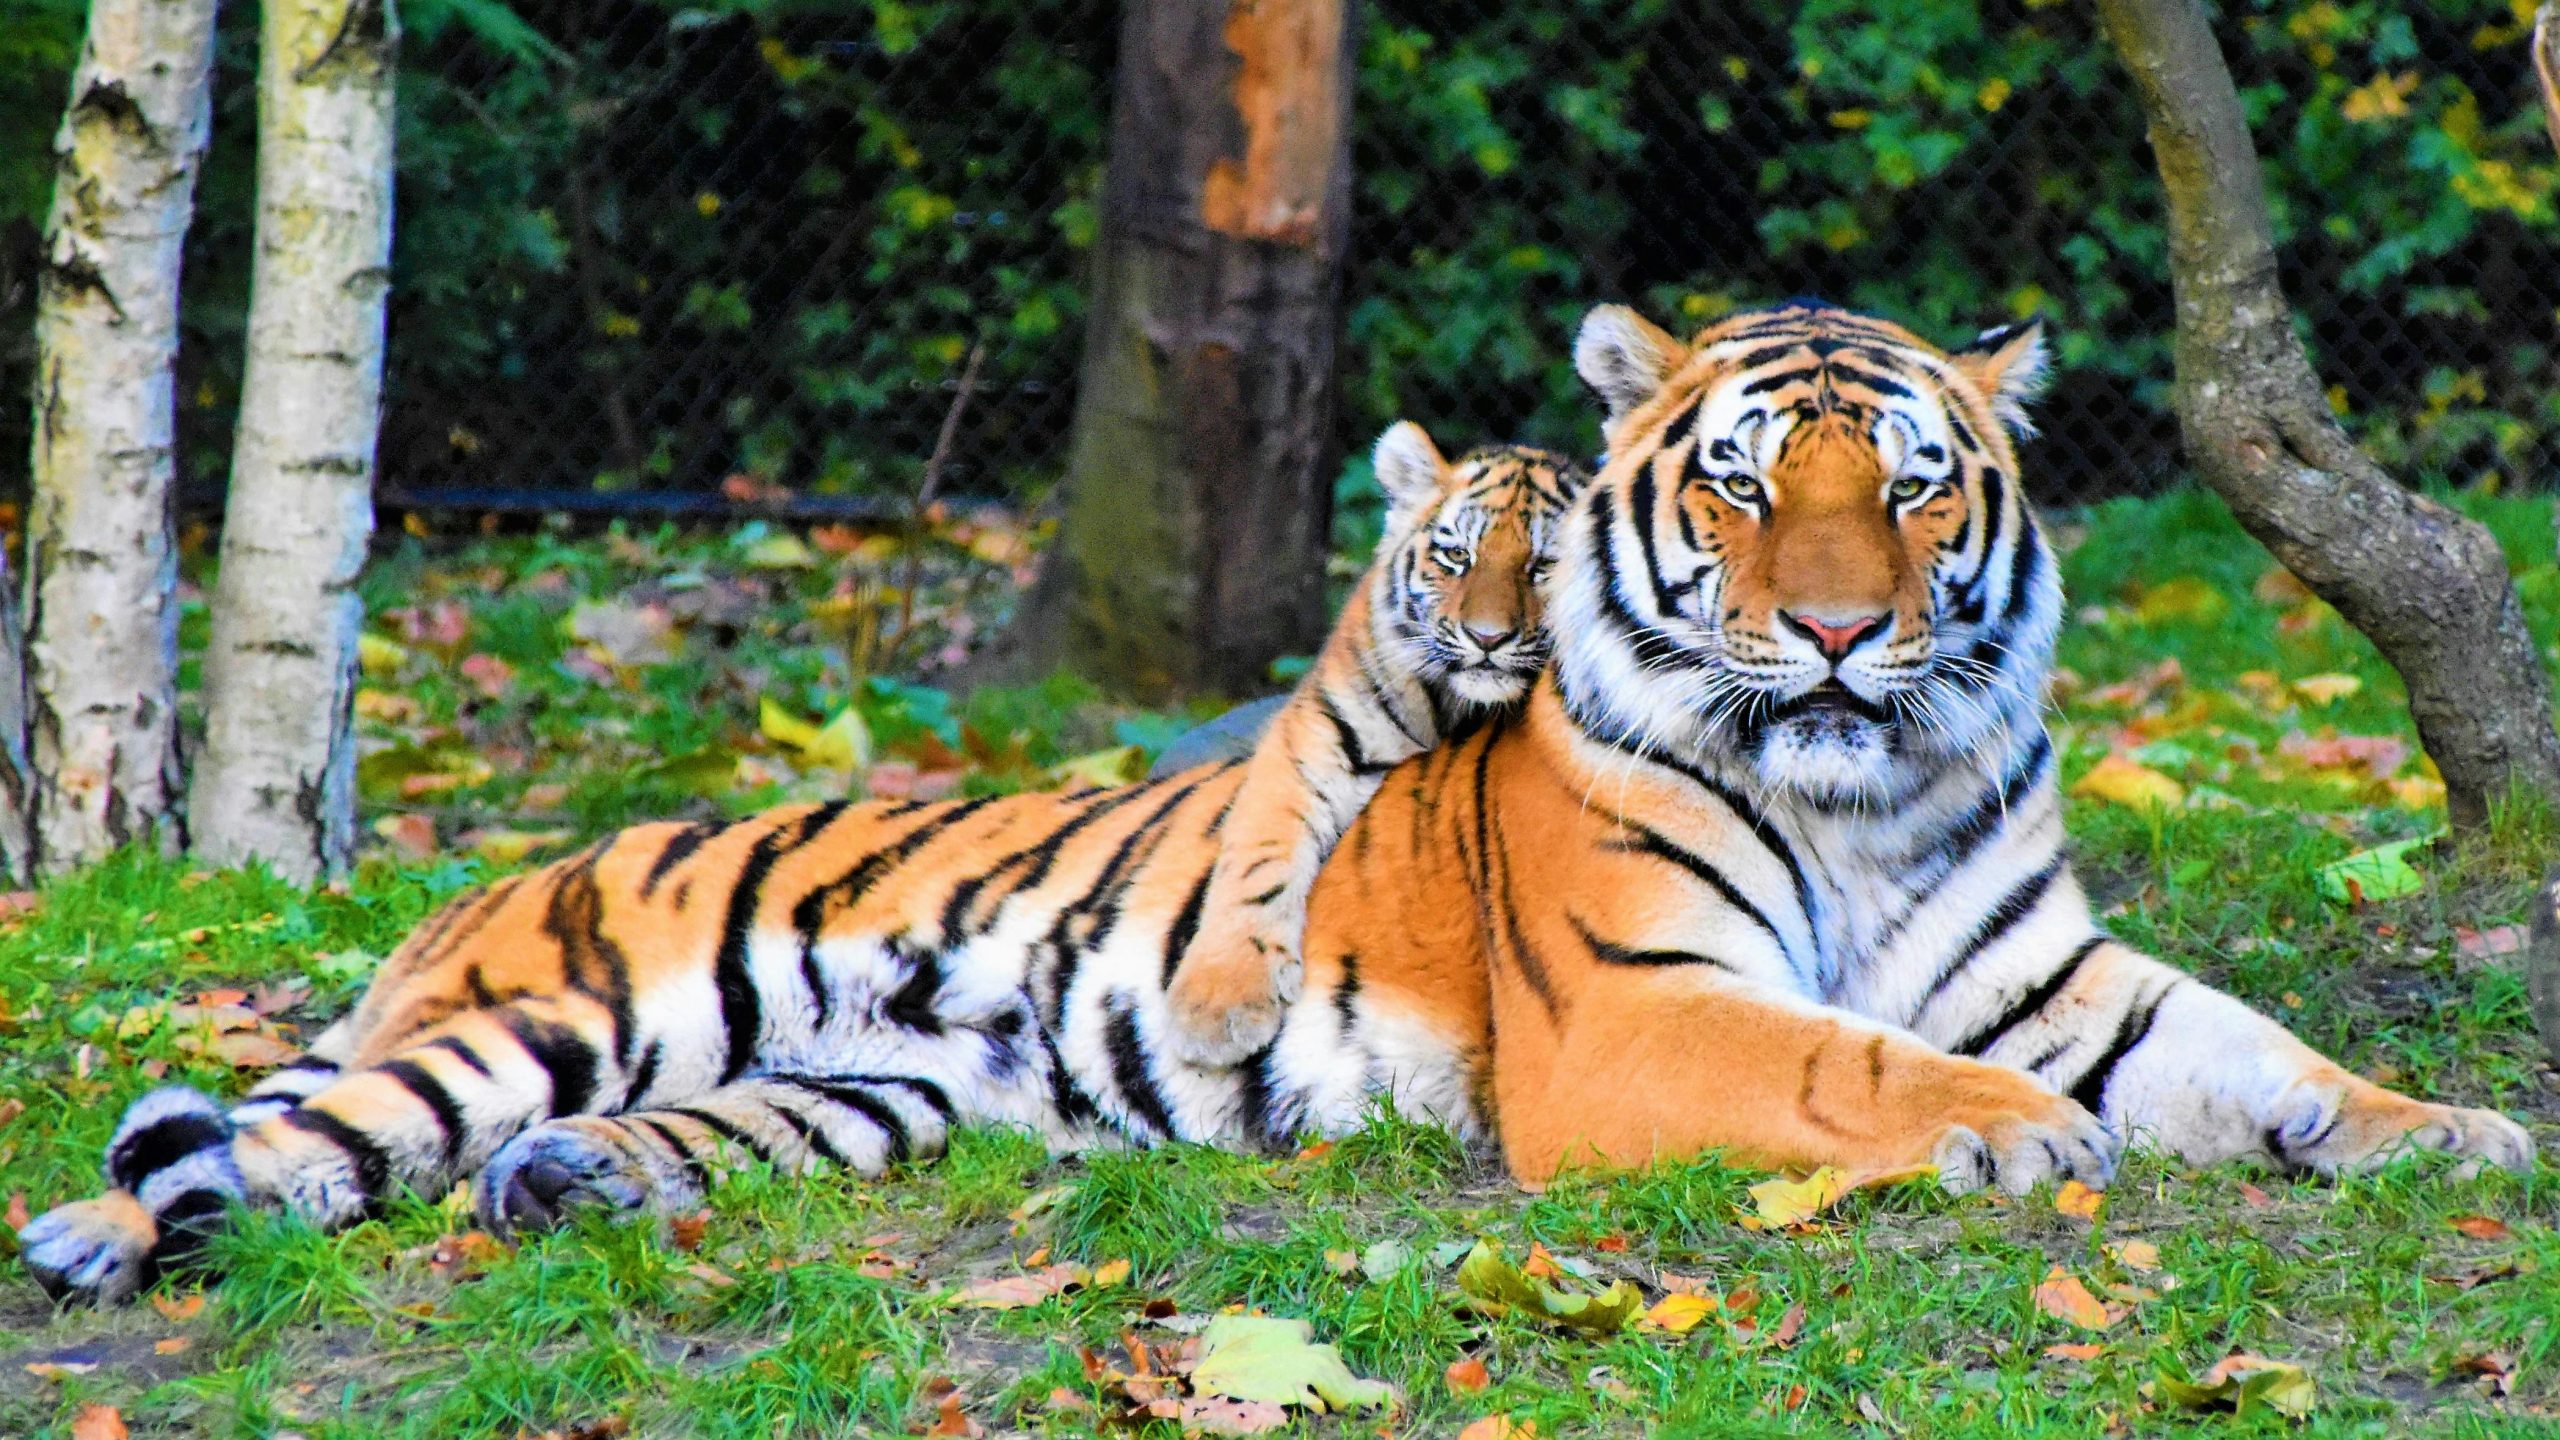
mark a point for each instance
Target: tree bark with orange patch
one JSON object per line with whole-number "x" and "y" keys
{"x": 1198, "y": 494}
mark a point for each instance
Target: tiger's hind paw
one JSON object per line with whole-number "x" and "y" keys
{"x": 93, "y": 1251}
{"x": 1232, "y": 992}
{"x": 2362, "y": 1126}
{"x": 580, "y": 1162}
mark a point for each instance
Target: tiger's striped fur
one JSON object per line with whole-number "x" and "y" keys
{"x": 1771, "y": 861}
{"x": 1444, "y": 625}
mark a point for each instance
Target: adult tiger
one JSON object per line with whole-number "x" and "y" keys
{"x": 1770, "y": 862}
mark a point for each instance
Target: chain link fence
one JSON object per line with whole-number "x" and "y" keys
{"x": 731, "y": 251}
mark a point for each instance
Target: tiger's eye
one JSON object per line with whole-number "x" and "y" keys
{"x": 1909, "y": 487}
{"x": 1453, "y": 561}
{"x": 1741, "y": 489}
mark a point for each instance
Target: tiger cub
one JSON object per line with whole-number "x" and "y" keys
{"x": 1445, "y": 623}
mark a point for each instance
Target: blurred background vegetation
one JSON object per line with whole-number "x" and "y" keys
{"x": 659, "y": 247}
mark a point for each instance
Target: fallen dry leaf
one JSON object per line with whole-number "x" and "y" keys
{"x": 2075, "y": 1352}
{"x": 2078, "y": 1200}
{"x": 2326, "y": 689}
{"x": 174, "y": 1345}
{"x": 99, "y": 1422}
{"x": 2244, "y": 1382}
{"x": 1678, "y": 1284}
{"x": 1012, "y": 1292}
{"x": 1467, "y": 1376}
{"x": 1788, "y": 1326}
{"x": 950, "y": 1419}
{"x": 18, "y": 1216}
{"x": 2483, "y": 1227}
{"x": 685, "y": 1232}
{"x": 2135, "y": 1254}
{"x": 1110, "y": 1273}
{"x": 1216, "y": 1415}
{"x": 1680, "y": 1313}
{"x": 2063, "y": 1297}
{"x": 2258, "y": 1199}
{"x": 1498, "y": 1427}
{"x": 178, "y": 1309}
{"x": 2119, "y": 780}
{"x": 2484, "y": 944}
{"x": 412, "y": 835}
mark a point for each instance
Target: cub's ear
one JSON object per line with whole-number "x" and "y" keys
{"x": 2008, "y": 365}
{"x": 1624, "y": 357}
{"x": 1408, "y": 465}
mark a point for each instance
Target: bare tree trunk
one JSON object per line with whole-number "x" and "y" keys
{"x": 2426, "y": 585}
{"x": 276, "y": 780}
{"x": 102, "y": 613}
{"x": 17, "y": 777}
{"x": 1199, "y": 481}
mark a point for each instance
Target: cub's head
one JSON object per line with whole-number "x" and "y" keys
{"x": 1807, "y": 553}
{"x": 1466, "y": 544}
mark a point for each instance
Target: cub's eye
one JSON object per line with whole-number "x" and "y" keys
{"x": 1453, "y": 560}
{"x": 1910, "y": 487}
{"x": 1540, "y": 565}
{"x": 1741, "y": 489}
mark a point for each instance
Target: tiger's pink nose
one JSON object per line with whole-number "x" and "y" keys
{"x": 1834, "y": 638}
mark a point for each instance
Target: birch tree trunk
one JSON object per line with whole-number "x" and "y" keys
{"x": 276, "y": 778}
{"x": 2426, "y": 585}
{"x": 102, "y": 611}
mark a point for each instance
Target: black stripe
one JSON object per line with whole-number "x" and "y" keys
{"x": 644, "y": 1075}
{"x": 679, "y": 845}
{"x": 1186, "y": 923}
{"x": 562, "y": 1053}
{"x": 741, "y": 1009}
{"x": 1651, "y": 842}
{"x": 1129, "y": 1073}
{"x": 1609, "y": 952}
{"x": 722, "y": 1128}
{"x": 163, "y": 1143}
{"x": 1348, "y": 739}
{"x": 1780, "y": 379}
{"x": 461, "y": 1050}
{"x": 912, "y": 1006}
{"x": 1646, "y": 644}
{"x": 593, "y": 965}
{"x": 2013, "y": 907}
{"x": 1881, "y": 384}
{"x": 808, "y": 1131}
{"x": 1533, "y": 968}
{"x": 373, "y": 1166}
{"x": 891, "y": 1125}
{"x": 1346, "y": 995}
{"x": 812, "y": 911}
{"x": 2022, "y": 563}
{"x": 1034, "y": 860}
{"x": 1679, "y": 428}
{"x": 2132, "y": 1030}
{"x": 1253, "y": 1099}
{"x": 936, "y": 1099}
{"x": 422, "y": 1082}
{"x": 1640, "y": 511}
{"x": 1976, "y": 825}
{"x": 2033, "y": 1001}
{"x": 676, "y": 1146}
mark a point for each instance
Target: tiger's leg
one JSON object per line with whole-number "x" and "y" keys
{"x": 1679, "y": 1059}
{"x": 323, "y": 1144}
{"x": 2158, "y": 1052}
{"x": 663, "y": 1159}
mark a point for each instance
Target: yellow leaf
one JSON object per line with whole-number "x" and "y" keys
{"x": 1116, "y": 766}
{"x": 1781, "y": 1203}
{"x": 510, "y": 847}
{"x": 1680, "y": 1314}
{"x": 843, "y": 743}
{"x": 2131, "y": 784}
{"x": 2326, "y": 689}
{"x": 1498, "y": 1427}
{"x": 2078, "y": 1200}
{"x": 2247, "y": 1383}
{"x": 379, "y": 655}
{"x": 2418, "y": 792}
{"x": 2136, "y": 1254}
{"x": 2385, "y": 96}
{"x": 2184, "y": 599}
{"x": 1111, "y": 1272}
{"x": 2063, "y": 1297}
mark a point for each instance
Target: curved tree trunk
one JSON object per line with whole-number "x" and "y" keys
{"x": 276, "y": 778}
{"x": 2427, "y": 586}
{"x": 102, "y": 611}
{"x": 1198, "y": 492}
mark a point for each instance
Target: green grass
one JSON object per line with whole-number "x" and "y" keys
{"x": 824, "y": 1307}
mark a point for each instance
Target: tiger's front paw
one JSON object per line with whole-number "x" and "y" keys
{"x": 1234, "y": 987}
{"x": 2351, "y": 1124}
{"x": 2051, "y": 1138}
{"x": 579, "y": 1162}
{"x": 96, "y": 1251}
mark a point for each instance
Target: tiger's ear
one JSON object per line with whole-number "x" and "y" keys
{"x": 2008, "y": 364}
{"x": 1624, "y": 357}
{"x": 1408, "y": 465}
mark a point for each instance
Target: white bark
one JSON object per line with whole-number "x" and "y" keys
{"x": 276, "y": 778}
{"x": 102, "y": 621}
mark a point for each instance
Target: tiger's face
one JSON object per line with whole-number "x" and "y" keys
{"x": 1807, "y": 549}
{"x": 1468, "y": 543}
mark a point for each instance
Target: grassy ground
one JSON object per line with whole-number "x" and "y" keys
{"x": 2418, "y": 1303}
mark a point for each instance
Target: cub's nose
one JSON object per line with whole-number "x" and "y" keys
{"x": 1835, "y": 638}
{"x": 1489, "y": 639}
